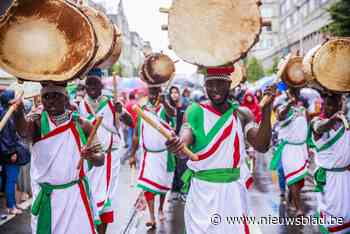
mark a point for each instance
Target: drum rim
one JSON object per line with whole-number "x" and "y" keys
{"x": 58, "y": 78}
{"x": 329, "y": 41}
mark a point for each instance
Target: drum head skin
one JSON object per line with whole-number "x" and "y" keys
{"x": 46, "y": 40}
{"x": 331, "y": 65}
{"x": 238, "y": 76}
{"x": 105, "y": 32}
{"x": 157, "y": 69}
{"x": 294, "y": 75}
{"x": 213, "y": 32}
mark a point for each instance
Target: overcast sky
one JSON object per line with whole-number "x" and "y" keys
{"x": 144, "y": 18}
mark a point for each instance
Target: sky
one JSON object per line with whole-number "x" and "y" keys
{"x": 144, "y": 17}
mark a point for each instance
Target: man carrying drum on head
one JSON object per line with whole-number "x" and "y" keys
{"x": 331, "y": 140}
{"x": 62, "y": 201}
{"x": 157, "y": 165}
{"x": 292, "y": 151}
{"x": 215, "y": 130}
{"x": 104, "y": 179}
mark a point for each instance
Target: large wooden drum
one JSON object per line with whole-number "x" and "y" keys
{"x": 238, "y": 76}
{"x": 157, "y": 69}
{"x": 307, "y": 62}
{"x": 46, "y": 40}
{"x": 331, "y": 65}
{"x": 116, "y": 51}
{"x": 213, "y": 32}
{"x": 105, "y": 32}
{"x": 293, "y": 75}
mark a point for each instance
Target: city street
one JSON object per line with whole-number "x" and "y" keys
{"x": 264, "y": 201}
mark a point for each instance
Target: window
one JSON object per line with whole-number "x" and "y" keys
{"x": 267, "y": 28}
{"x": 266, "y": 12}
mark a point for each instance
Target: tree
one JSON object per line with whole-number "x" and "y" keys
{"x": 116, "y": 69}
{"x": 255, "y": 70}
{"x": 274, "y": 68}
{"x": 340, "y": 15}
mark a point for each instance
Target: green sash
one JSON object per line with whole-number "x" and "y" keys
{"x": 277, "y": 155}
{"x": 42, "y": 205}
{"x": 320, "y": 177}
{"x": 171, "y": 162}
{"x": 195, "y": 118}
{"x": 332, "y": 141}
{"x": 221, "y": 175}
{"x": 101, "y": 105}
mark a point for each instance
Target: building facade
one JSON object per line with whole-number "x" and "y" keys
{"x": 299, "y": 28}
{"x": 133, "y": 44}
{"x": 269, "y": 34}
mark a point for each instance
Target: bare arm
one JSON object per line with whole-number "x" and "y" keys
{"x": 134, "y": 147}
{"x": 26, "y": 128}
{"x": 258, "y": 136}
{"x": 321, "y": 126}
{"x": 93, "y": 152}
{"x": 124, "y": 116}
{"x": 282, "y": 111}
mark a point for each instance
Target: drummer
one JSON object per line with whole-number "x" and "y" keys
{"x": 331, "y": 139}
{"x": 212, "y": 129}
{"x": 157, "y": 165}
{"x": 104, "y": 180}
{"x": 62, "y": 202}
{"x": 292, "y": 151}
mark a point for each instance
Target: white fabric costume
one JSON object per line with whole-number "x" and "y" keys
{"x": 104, "y": 180}
{"x": 333, "y": 156}
{"x": 54, "y": 162}
{"x": 292, "y": 136}
{"x": 219, "y": 143}
{"x": 154, "y": 175}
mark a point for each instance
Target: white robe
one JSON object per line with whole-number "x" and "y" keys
{"x": 206, "y": 199}
{"x": 294, "y": 157}
{"x": 153, "y": 175}
{"x": 54, "y": 160}
{"x": 104, "y": 180}
{"x": 335, "y": 199}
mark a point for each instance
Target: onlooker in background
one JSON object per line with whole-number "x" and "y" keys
{"x": 186, "y": 96}
{"x": 180, "y": 107}
{"x": 251, "y": 102}
{"x": 258, "y": 95}
{"x": 8, "y": 154}
{"x": 130, "y": 131}
{"x": 238, "y": 93}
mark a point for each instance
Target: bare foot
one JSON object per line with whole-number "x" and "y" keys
{"x": 151, "y": 224}
{"x": 15, "y": 211}
{"x": 161, "y": 216}
{"x": 299, "y": 213}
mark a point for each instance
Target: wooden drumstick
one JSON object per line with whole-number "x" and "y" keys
{"x": 162, "y": 130}
{"x": 280, "y": 72}
{"x": 10, "y": 112}
{"x": 115, "y": 96}
{"x": 91, "y": 137}
{"x": 345, "y": 121}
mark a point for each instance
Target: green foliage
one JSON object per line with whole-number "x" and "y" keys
{"x": 116, "y": 69}
{"x": 255, "y": 71}
{"x": 274, "y": 68}
{"x": 340, "y": 14}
